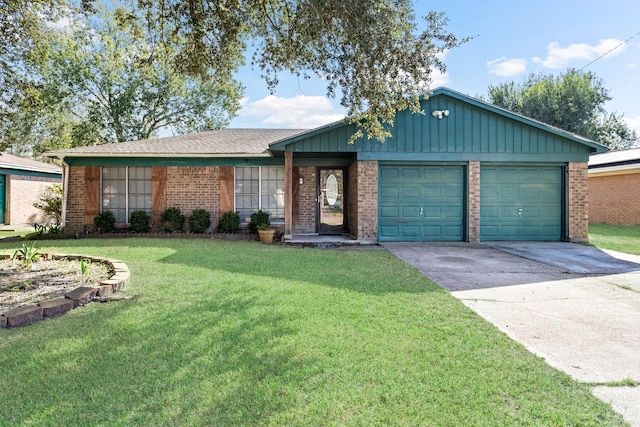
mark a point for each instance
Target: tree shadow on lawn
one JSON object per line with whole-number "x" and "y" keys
{"x": 212, "y": 362}
{"x": 371, "y": 272}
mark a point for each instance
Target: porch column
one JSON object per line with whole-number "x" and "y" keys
{"x": 288, "y": 193}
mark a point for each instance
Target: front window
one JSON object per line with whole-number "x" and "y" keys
{"x": 126, "y": 189}
{"x": 260, "y": 188}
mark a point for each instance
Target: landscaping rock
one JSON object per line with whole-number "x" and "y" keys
{"x": 56, "y": 307}
{"x": 3, "y": 322}
{"x": 104, "y": 290}
{"x": 82, "y": 295}
{"x": 23, "y": 316}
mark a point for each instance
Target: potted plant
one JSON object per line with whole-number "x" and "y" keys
{"x": 260, "y": 221}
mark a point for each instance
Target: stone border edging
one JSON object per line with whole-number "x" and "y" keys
{"x": 26, "y": 315}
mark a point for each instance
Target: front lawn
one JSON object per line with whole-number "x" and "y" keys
{"x": 616, "y": 237}
{"x": 243, "y": 334}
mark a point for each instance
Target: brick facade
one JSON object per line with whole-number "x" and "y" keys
{"x": 365, "y": 212}
{"x": 615, "y": 199}
{"x": 306, "y": 217}
{"x": 194, "y": 187}
{"x": 473, "y": 202}
{"x": 22, "y": 191}
{"x": 578, "y": 226}
{"x": 75, "y": 199}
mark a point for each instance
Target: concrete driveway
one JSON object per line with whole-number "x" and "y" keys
{"x": 576, "y": 306}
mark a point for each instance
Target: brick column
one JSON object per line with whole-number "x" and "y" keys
{"x": 367, "y": 199}
{"x": 288, "y": 193}
{"x": 473, "y": 202}
{"x": 578, "y": 202}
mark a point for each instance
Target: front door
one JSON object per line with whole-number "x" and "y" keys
{"x": 3, "y": 179}
{"x": 331, "y": 200}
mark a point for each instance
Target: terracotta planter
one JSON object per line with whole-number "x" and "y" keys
{"x": 266, "y": 236}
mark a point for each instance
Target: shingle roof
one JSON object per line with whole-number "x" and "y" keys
{"x": 9, "y": 161}
{"x": 614, "y": 157}
{"x": 217, "y": 143}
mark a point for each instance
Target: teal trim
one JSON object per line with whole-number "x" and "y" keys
{"x": 171, "y": 161}
{"x": 465, "y": 157}
{"x": 6, "y": 171}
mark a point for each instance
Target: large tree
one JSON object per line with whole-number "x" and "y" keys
{"x": 573, "y": 101}
{"x": 101, "y": 79}
{"x": 375, "y": 53}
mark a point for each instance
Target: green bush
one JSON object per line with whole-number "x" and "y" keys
{"x": 139, "y": 221}
{"x": 199, "y": 221}
{"x": 259, "y": 219}
{"x": 105, "y": 222}
{"x": 172, "y": 219}
{"x": 229, "y": 222}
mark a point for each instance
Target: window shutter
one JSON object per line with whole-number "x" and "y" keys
{"x": 91, "y": 193}
{"x": 226, "y": 189}
{"x": 158, "y": 193}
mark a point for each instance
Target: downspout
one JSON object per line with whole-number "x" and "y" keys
{"x": 65, "y": 191}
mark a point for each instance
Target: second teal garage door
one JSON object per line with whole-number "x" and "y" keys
{"x": 521, "y": 203}
{"x": 421, "y": 203}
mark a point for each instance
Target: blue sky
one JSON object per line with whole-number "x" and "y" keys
{"x": 512, "y": 39}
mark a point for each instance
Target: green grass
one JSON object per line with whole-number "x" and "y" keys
{"x": 616, "y": 237}
{"x": 243, "y": 334}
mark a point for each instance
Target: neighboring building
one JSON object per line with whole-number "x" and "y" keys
{"x": 463, "y": 171}
{"x": 21, "y": 181}
{"x": 614, "y": 188}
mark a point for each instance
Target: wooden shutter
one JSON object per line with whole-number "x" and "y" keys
{"x": 91, "y": 193}
{"x": 158, "y": 192}
{"x": 226, "y": 189}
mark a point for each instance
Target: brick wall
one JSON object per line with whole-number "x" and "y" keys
{"x": 352, "y": 212}
{"x": 21, "y": 192}
{"x": 615, "y": 199}
{"x": 578, "y": 202}
{"x": 75, "y": 200}
{"x": 306, "y": 221}
{"x": 473, "y": 202}
{"x": 367, "y": 201}
{"x": 194, "y": 187}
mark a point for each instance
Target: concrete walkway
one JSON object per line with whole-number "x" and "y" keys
{"x": 576, "y": 306}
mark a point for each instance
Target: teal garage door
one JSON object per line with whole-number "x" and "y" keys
{"x": 421, "y": 203}
{"x": 521, "y": 203}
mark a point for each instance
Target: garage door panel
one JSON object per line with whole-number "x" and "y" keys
{"x": 429, "y": 201}
{"x": 530, "y": 203}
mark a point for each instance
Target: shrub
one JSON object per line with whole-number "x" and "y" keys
{"x": 50, "y": 201}
{"x": 105, "y": 222}
{"x": 199, "y": 221}
{"x": 172, "y": 219}
{"x": 229, "y": 222}
{"x": 258, "y": 220}
{"x": 139, "y": 221}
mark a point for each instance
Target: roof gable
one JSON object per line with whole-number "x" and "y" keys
{"x": 11, "y": 162}
{"x": 471, "y": 126}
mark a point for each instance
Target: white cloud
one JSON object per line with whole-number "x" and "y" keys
{"x": 299, "y": 112}
{"x": 507, "y": 67}
{"x": 438, "y": 78}
{"x": 633, "y": 123}
{"x": 560, "y": 57}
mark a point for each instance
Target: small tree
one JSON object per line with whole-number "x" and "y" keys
{"x": 50, "y": 201}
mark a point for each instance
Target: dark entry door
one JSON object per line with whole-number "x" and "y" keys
{"x": 331, "y": 200}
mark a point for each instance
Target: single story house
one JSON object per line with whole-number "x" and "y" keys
{"x": 463, "y": 171}
{"x": 21, "y": 181}
{"x": 614, "y": 187}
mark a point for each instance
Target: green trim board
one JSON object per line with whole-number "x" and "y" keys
{"x": 5, "y": 171}
{"x": 173, "y": 161}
